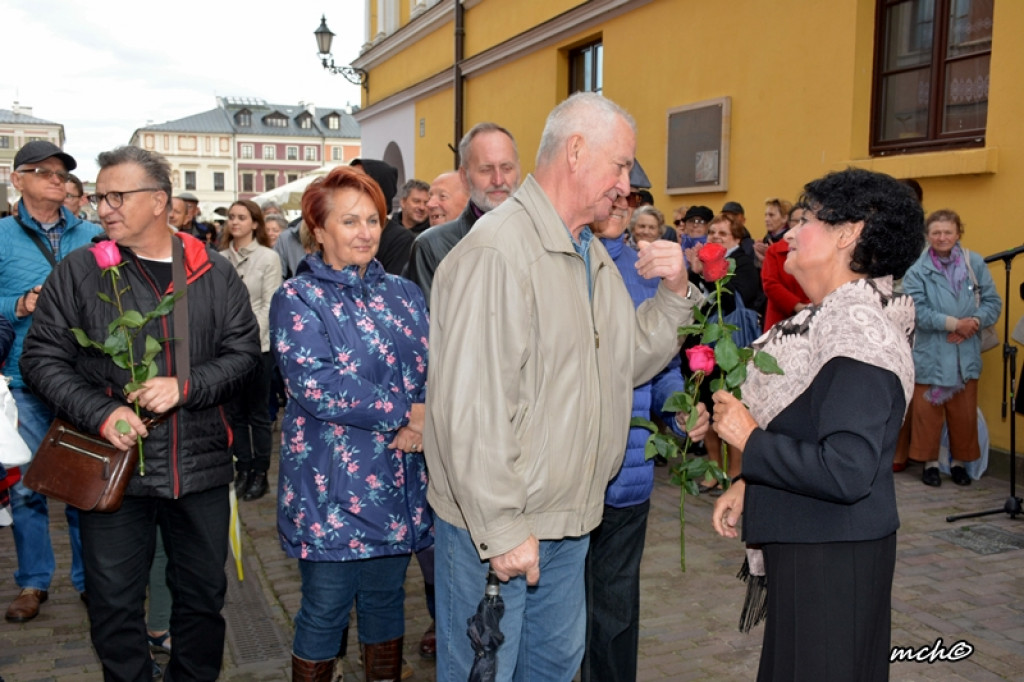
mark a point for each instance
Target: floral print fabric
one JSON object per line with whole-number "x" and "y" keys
{"x": 353, "y": 354}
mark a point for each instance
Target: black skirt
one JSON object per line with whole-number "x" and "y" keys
{"x": 829, "y": 611}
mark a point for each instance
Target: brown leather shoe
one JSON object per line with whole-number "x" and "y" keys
{"x": 26, "y": 606}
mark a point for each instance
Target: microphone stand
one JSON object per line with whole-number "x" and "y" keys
{"x": 1012, "y": 505}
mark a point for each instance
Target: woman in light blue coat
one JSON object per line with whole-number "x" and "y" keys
{"x": 955, "y": 299}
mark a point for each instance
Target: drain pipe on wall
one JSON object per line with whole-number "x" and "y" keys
{"x": 457, "y": 84}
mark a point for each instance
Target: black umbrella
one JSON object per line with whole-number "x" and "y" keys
{"x": 484, "y": 632}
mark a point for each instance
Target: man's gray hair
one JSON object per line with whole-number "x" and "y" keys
{"x": 277, "y": 218}
{"x": 269, "y": 206}
{"x": 411, "y": 185}
{"x": 586, "y": 113}
{"x": 156, "y": 167}
{"x": 484, "y": 127}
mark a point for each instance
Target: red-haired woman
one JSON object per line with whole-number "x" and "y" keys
{"x": 244, "y": 242}
{"x": 351, "y": 343}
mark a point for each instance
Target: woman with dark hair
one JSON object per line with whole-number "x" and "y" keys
{"x": 245, "y": 244}
{"x": 955, "y": 299}
{"x": 816, "y": 489}
{"x": 351, "y": 343}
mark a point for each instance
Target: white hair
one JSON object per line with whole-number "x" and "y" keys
{"x": 584, "y": 113}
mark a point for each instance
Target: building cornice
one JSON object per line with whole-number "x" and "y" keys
{"x": 422, "y": 25}
{"x": 555, "y": 30}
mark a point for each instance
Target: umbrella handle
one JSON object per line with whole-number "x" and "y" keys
{"x": 493, "y": 584}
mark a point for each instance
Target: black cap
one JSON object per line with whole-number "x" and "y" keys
{"x": 637, "y": 178}
{"x": 702, "y": 212}
{"x": 733, "y": 207}
{"x": 40, "y": 150}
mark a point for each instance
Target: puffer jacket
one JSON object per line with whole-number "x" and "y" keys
{"x": 188, "y": 452}
{"x": 353, "y": 354}
{"x": 23, "y": 266}
{"x": 530, "y": 382}
{"x": 634, "y": 482}
{"x": 936, "y": 361}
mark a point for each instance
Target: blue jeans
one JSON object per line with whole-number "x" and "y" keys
{"x": 36, "y": 564}
{"x": 544, "y": 625}
{"x": 613, "y": 594}
{"x": 328, "y": 590}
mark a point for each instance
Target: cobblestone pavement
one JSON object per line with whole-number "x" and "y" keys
{"x": 688, "y": 632}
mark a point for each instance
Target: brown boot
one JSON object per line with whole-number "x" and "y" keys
{"x": 312, "y": 671}
{"x": 383, "y": 662}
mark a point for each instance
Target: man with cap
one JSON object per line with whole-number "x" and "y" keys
{"x": 42, "y": 234}
{"x": 734, "y": 211}
{"x": 202, "y": 231}
{"x": 693, "y": 230}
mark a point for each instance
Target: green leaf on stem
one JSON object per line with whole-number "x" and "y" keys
{"x": 122, "y": 426}
{"x": 103, "y": 297}
{"x": 766, "y": 363}
{"x": 678, "y": 402}
{"x": 131, "y": 318}
{"x": 736, "y": 377}
{"x": 83, "y": 339}
{"x": 726, "y": 354}
{"x": 644, "y": 424}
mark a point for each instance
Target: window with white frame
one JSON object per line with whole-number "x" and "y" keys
{"x": 292, "y": 152}
{"x": 246, "y": 152}
{"x": 310, "y": 153}
{"x": 269, "y": 152}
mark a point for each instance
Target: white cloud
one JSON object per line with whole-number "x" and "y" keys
{"x": 107, "y": 67}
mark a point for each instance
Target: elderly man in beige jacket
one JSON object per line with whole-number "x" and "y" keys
{"x": 535, "y": 349}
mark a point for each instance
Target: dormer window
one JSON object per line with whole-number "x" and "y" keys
{"x": 334, "y": 122}
{"x": 243, "y": 117}
{"x": 276, "y": 120}
{"x": 306, "y": 122}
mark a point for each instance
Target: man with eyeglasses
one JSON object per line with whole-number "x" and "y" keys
{"x": 32, "y": 242}
{"x": 74, "y": 197}
{"x": 188, "y": 468}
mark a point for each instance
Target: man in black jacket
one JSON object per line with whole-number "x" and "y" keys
{"x": 489, "y": 167}
{"x": 188, "y": 467}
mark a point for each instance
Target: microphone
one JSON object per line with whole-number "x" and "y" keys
{"x": 1005, "y": 255}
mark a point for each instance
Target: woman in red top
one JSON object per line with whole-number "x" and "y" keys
{"x": 783, "y": 292}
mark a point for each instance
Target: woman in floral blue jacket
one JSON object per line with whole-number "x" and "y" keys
{"x": 351, "y": 343}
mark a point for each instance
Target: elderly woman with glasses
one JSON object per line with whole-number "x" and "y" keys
{"x": 351, "y": 343}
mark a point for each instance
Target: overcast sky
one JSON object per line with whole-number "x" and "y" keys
{"x": 105, "y": 68}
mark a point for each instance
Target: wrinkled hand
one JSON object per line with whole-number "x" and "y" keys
{"x": 728, "y": 509}
{"x": 26, "y": 305}
{"x": 693, "y": 259}
{"x": 967, "y": 327}
{"x": 407, "y": 440}
{"x": 701, "y": 428}
{"x": 123, "y": 441}
{"x": 523, "y": 560}
{"x": 953, "y": 337}
{"x": 663, "y": 259}
{"x": 732, "y": 420}
{"x": 158, "y": 395}
{"x": 417, "y": 417}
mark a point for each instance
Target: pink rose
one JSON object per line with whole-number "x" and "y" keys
{"x": 701, "y": 359}
{"x": 106, "y": 253}
{"x": 712, "y": 256}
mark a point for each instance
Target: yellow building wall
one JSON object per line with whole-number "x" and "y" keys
{"x": 799, "y": 74}
{"x": 416, "y": 62}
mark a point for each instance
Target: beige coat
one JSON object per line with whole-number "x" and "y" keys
{"x": 531, "y": 382}
{"x": 260, "y": 270}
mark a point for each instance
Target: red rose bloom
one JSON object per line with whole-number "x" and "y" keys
{"x": 712, "y": 256}
{"x": 701, "y": 359}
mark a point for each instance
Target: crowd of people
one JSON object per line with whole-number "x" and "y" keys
{"x": 458, "y": 377}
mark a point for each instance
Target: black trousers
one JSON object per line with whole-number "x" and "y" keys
{"x": 829, "y": 611}
{"x": 117, "y": 549}
{"x": 612, "y": 580}
{"x": 250, "y": 421}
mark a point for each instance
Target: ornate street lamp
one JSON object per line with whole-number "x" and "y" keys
{"x": 324, "y": 37}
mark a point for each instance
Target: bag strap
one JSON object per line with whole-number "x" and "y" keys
{"x": 38, "y": 241}
{"x": 182, "y": 364}
{"x": 974, "y": 280}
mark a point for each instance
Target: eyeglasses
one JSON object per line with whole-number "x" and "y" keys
{"x": 72, "y": 196}
{"x": 695, "y": 221}
{"x": 678, "y": 221}
{"x": 45, "y": 173}
{"x": 116, "y": 199}
{"x": 633, "y": 199}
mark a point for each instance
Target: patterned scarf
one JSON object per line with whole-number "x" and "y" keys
{"x": 953, "y": 267}
{"x": 861, "y": 320}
